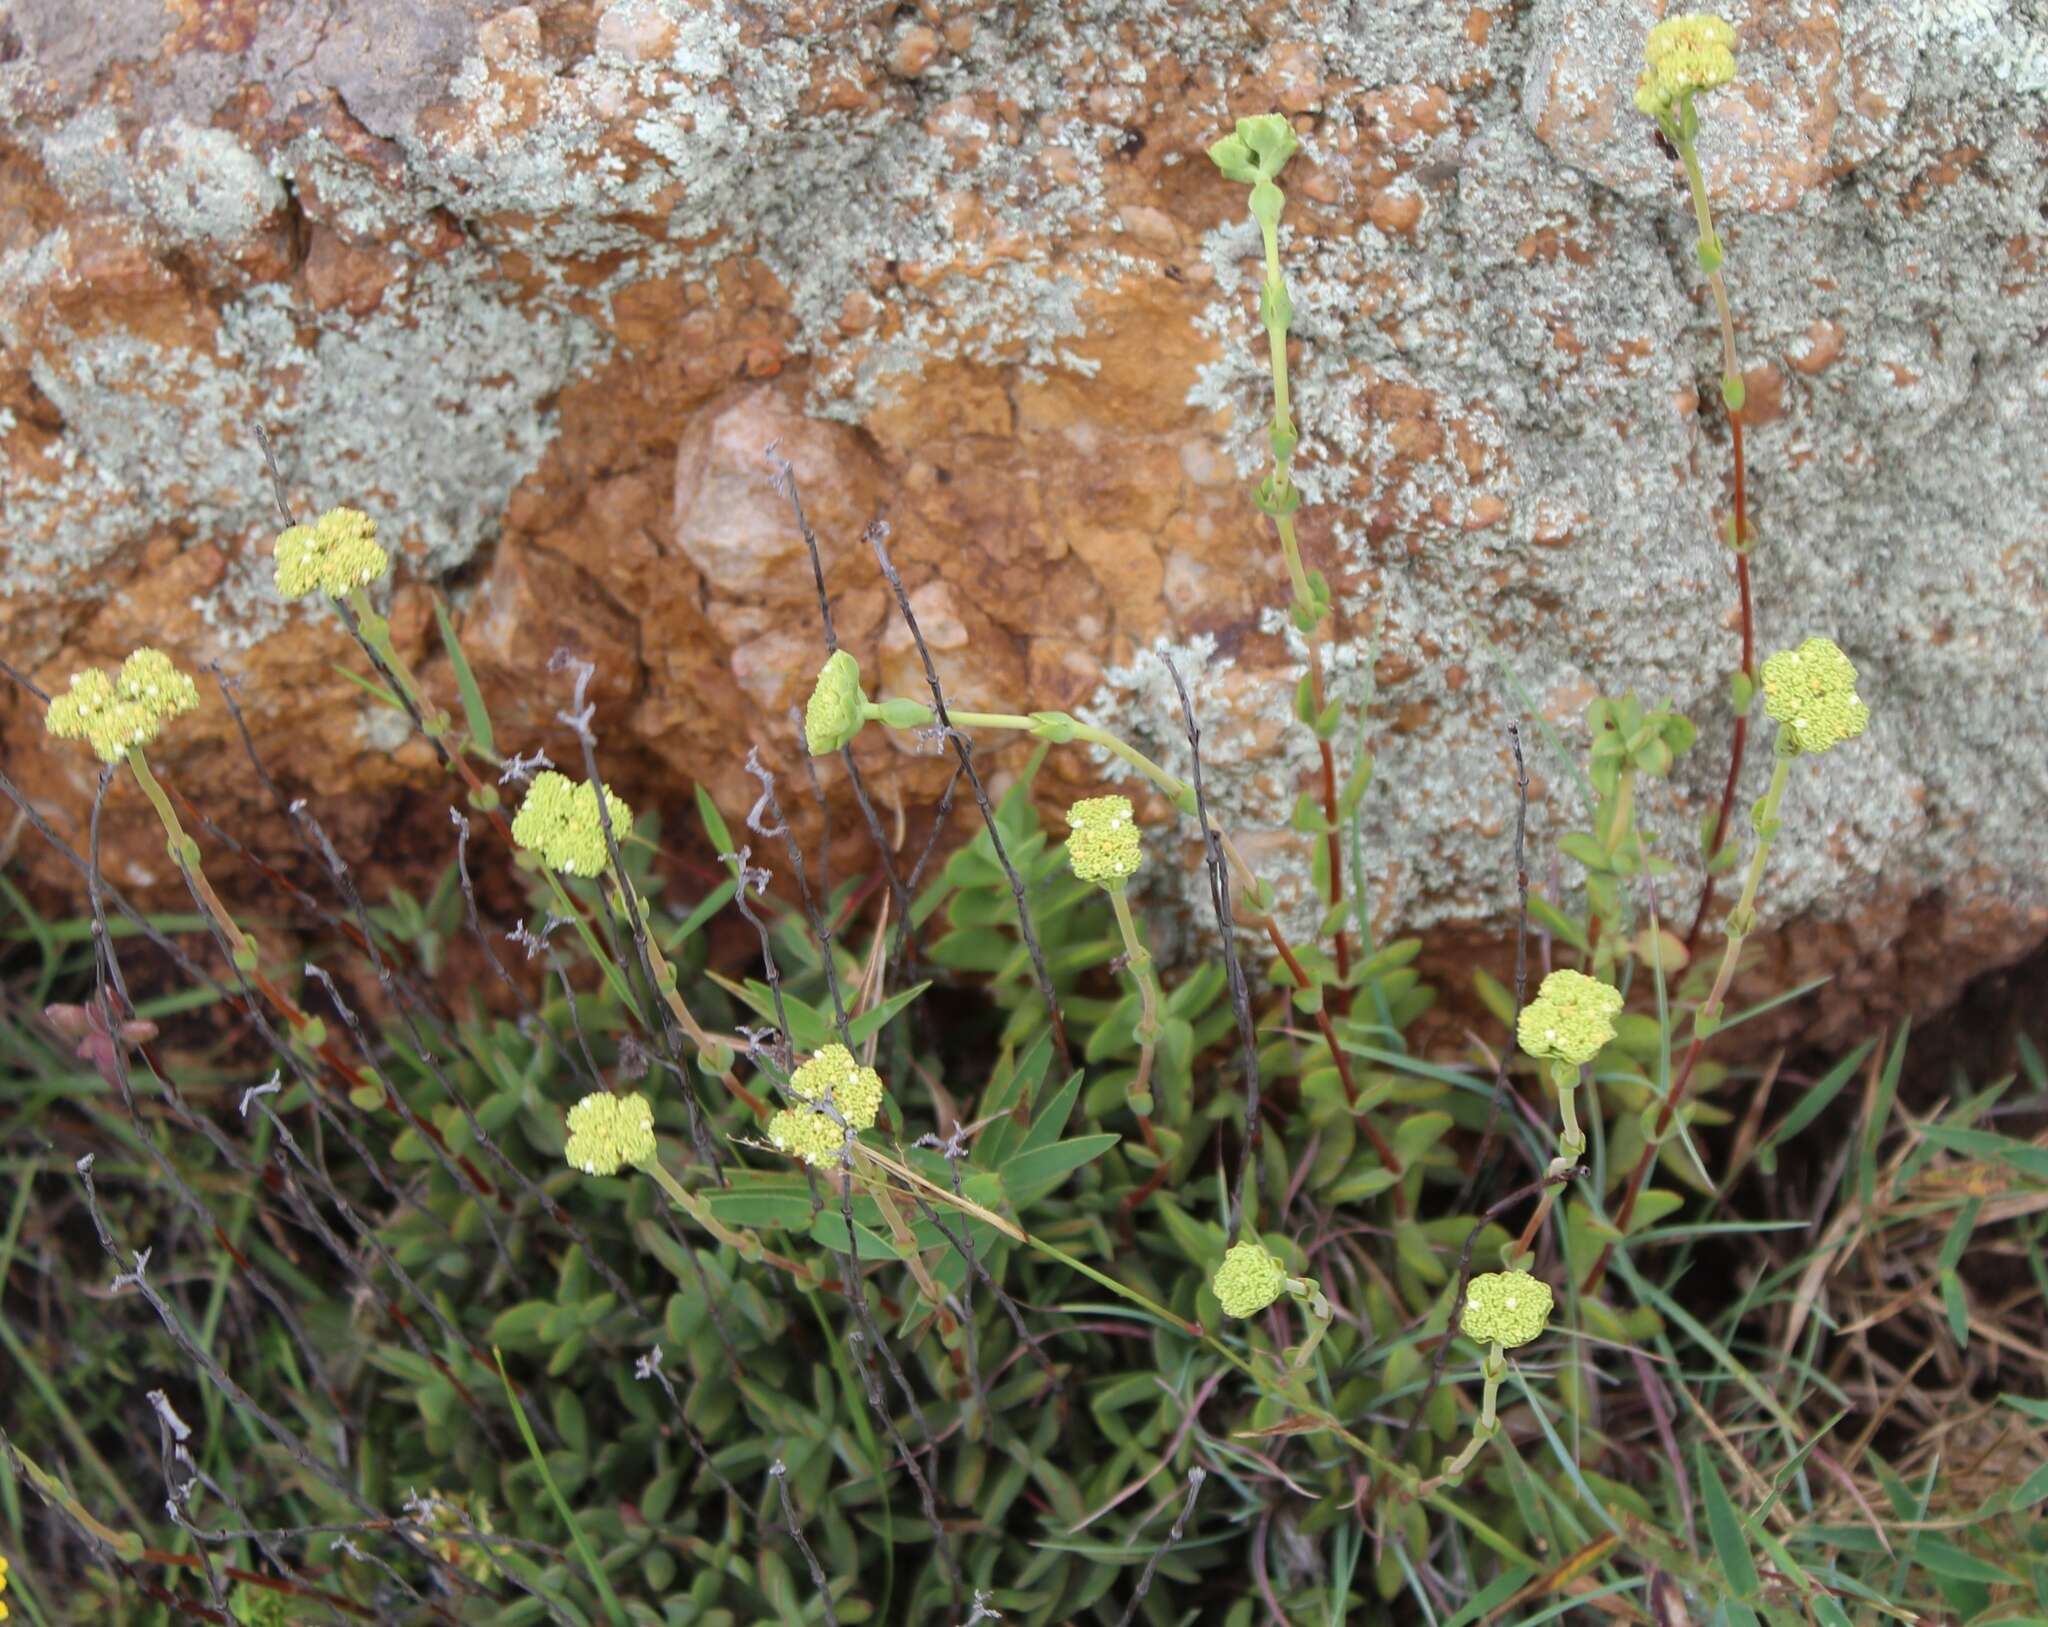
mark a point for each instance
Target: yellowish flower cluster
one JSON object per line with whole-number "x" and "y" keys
{"x": 1810, "y": 693}
{"x": 1104, "y": 847}
{"x": 1570, "y": 1019}
{"x": 608, "y": 1132}
{"x": 559, "y": 821}
{"x": 116, "y": 712}
{"x": 336, "y": 553}
{"x": 834, "y": 1078}
{"x": 1687, "y": 54}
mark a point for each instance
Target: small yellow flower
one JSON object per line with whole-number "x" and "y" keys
{"x": 834, "y": 1075}
{"x": 838, "y": 706}
{"x": 558, "y": 820}
{"x": 804, "y": 1132}
{"x": 1104, "y": 847}
{"x": 1248, "y": 1280}
{"x": 1570, "y": 1019}
{"x": 116, "y": 712}
{"x": 334, "y": 554}
{"x": 1811, "y": 694}
{"x": 1687, "y": 54}
{"x": 607, "y": 1131}
{"x": 1507, "y": 1308}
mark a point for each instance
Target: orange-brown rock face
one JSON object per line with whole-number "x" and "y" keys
{"x": 541, "y": 285}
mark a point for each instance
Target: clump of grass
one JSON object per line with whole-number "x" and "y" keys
{"x": 1120, "y": 1291}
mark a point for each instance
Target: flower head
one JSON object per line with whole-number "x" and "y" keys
{"x": 833, "y": 1075}
{"x": 1570, "y": 1019}
{"x": 335, "y": 553}
{"x": 837, "y": 707}
{"x": 804, "y": 1132}
{"x": 1811, "y": 693}
{"x": 115, "y": 712}
{"x": 1258, "y": 150}
{"x": 1687, "y": 54}
{"x": 559, "y": 821}
{"x": 1505, "y": 1308}
{"x": 1248, "y": 1280}
{"x": 1104, "y": 847}
{"x": 607, "y": 1131}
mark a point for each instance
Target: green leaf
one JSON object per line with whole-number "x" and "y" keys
{"x": 1725, "y": 1527}
{"x": 714, "y": 823}
{"x": 1815, "y": 1101}
{"x": 1030, "y": 1175}
{"x": 1584, "y": 847}
{"x": 1052, "y": 1118}
{"x": 474, "y": 711}
{"x": 1558, "y": 922}
{"x": 1944, "y": 1558}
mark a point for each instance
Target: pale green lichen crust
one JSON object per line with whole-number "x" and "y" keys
{"x": 1810, "y": 693}
{"x": 1103, "y": 848}
{"x": 1507, "y": 1308}
{"x": 1570, "y": 1019}
{"x": 607, "y": 1132}
{"x": 1248, "y": 1280}
{"x": 834, "y": 1075}
{"x": 336, "y": 553}
{"x": 558, "y": 820}
{"x": 1686, "y": 55}
{"x": 116, "y": 712}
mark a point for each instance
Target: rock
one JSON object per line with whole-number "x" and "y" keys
{"x": 539, "y": 285}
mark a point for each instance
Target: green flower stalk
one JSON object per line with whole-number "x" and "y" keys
{"x": 1104, "y": 850}
{"x": 559, "y": 825}
{"x": 117, "y": 714}
{"x": 1254, "y": 155}
{"x": 1810, "y": 693}
{"x": 1503, "y": 1311}
{"x": 339, "y": 555}
{"x": 1566, "y": 1025}
{"x": 1685, "y": 56}
{"x": 610, "y": 1133}
{"x": 1250, "y": 1279}
{"x": 839, "y": 708}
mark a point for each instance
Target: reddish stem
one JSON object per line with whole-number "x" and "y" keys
{"x": 1336, "y": 849}
{"x": 1665, "y": 1114}
{"x": 1741, "y": 740}
{"x": 1380, "y": 1145}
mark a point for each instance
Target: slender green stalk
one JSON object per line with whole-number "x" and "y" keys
{"x": 592, "y": 1568}
{"x": 1139, "y": 959}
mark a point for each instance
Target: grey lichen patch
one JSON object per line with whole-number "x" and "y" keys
{"x": 428, "y": 418}
{"x": 1562, "y": 330}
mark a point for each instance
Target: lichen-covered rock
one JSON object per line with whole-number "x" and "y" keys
{"x": 535, "y": 285}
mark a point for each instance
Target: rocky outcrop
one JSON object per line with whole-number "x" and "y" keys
{"x": 538, "y": 285}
